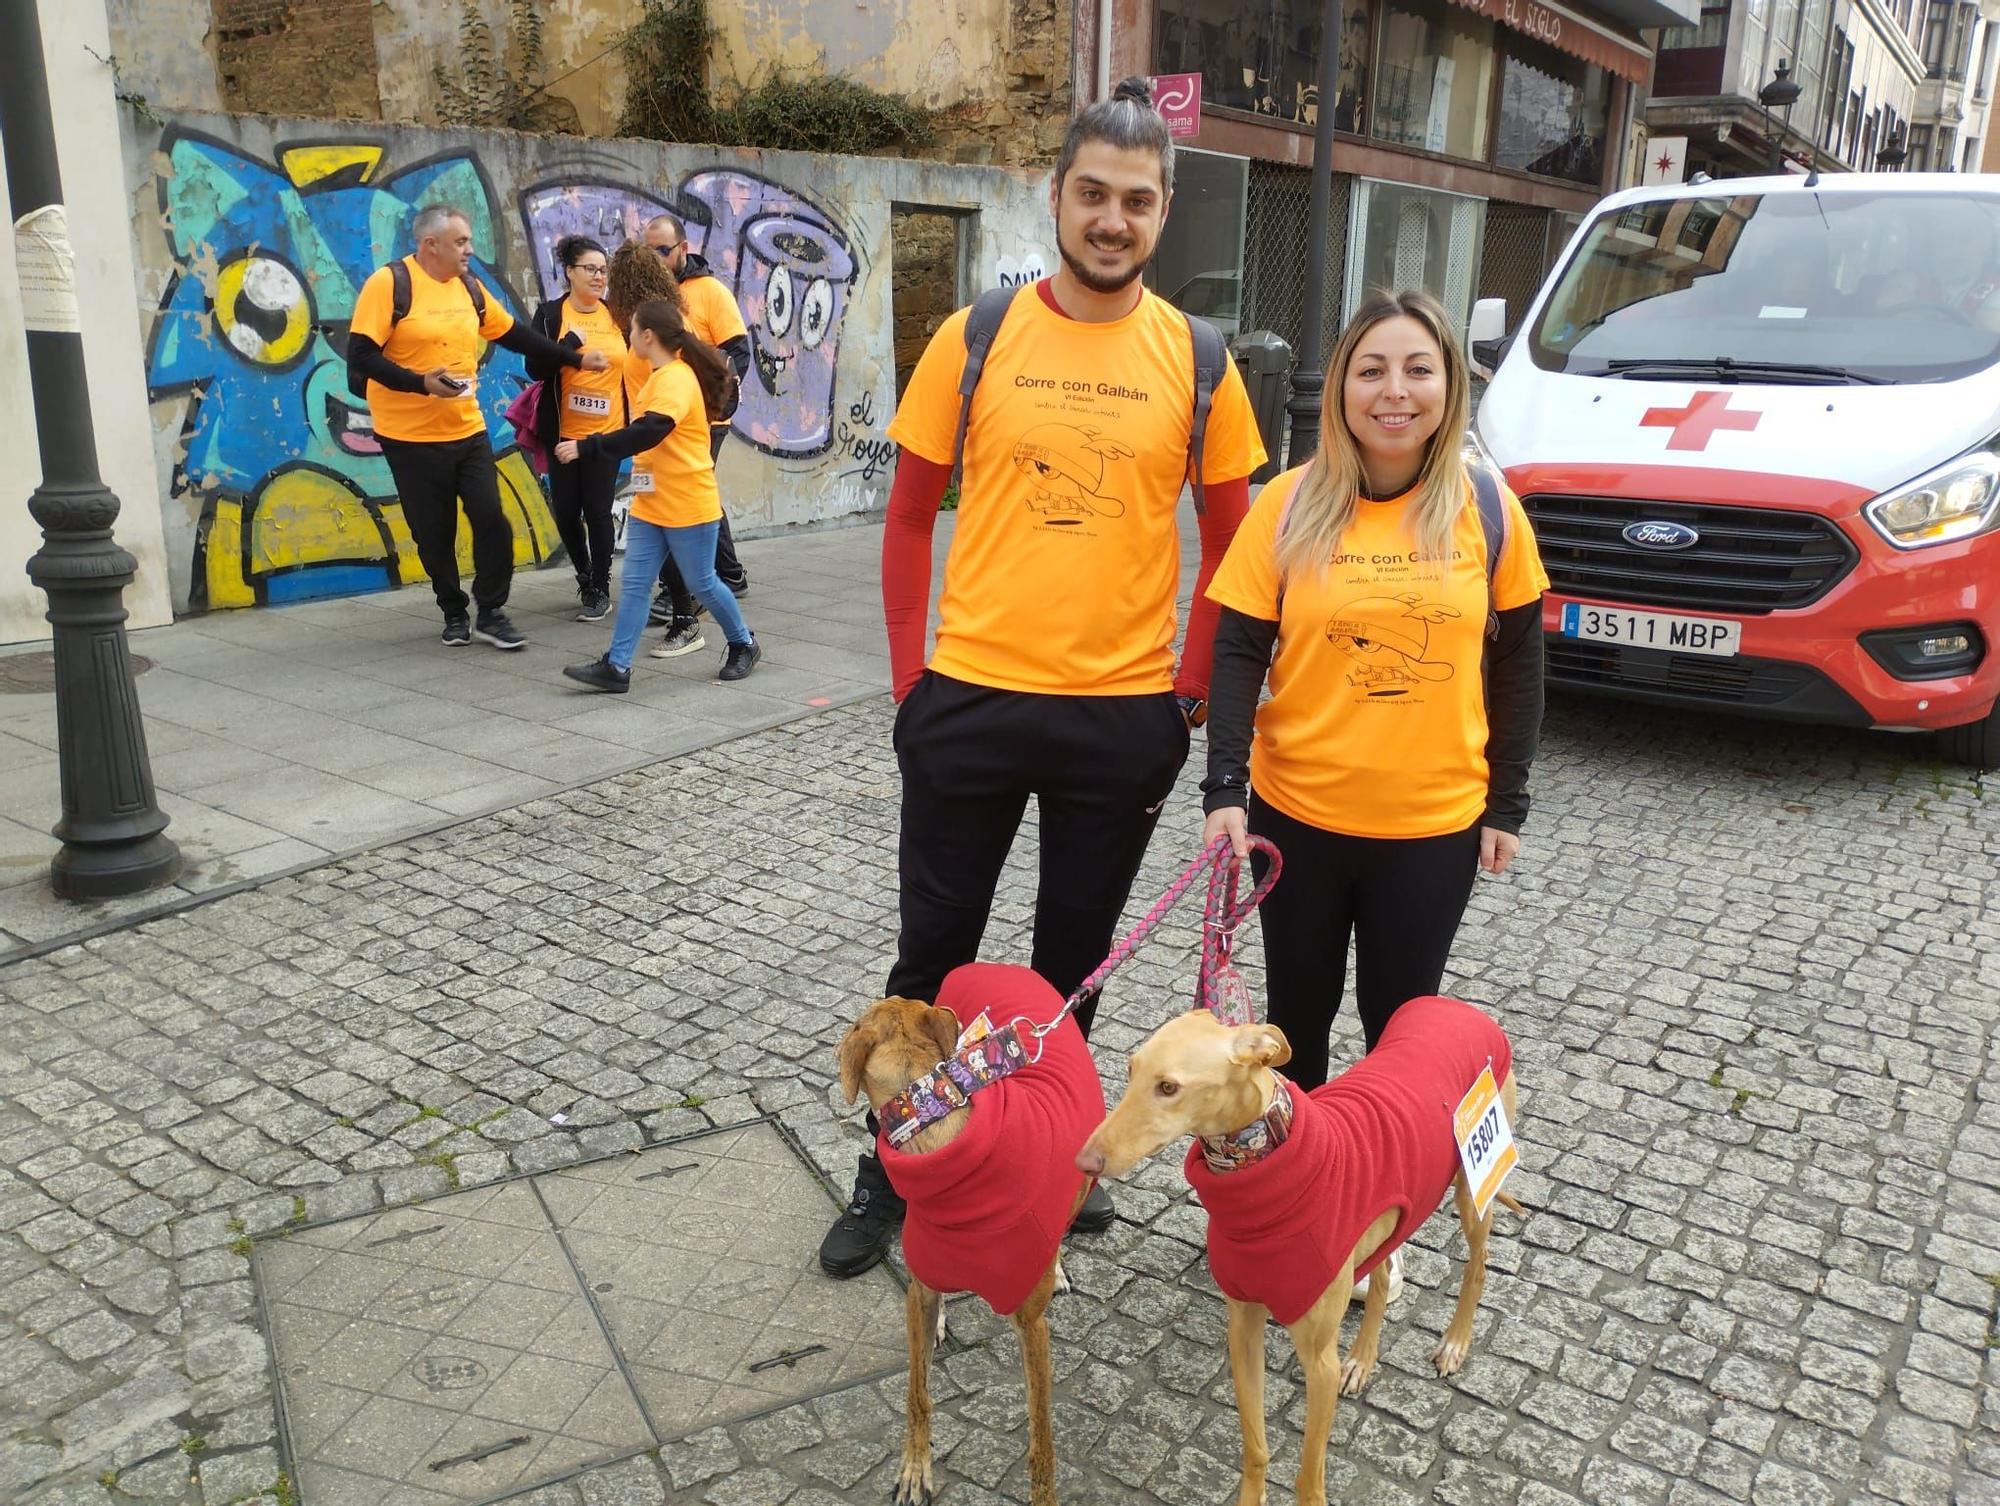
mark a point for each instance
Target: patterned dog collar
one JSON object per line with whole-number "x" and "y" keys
{"x": 1256, "y": 1139}
{"x": 949, "y": 1086}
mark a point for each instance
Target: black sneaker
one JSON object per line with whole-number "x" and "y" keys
{"x": 601, "y": 674}
{"x": 494, "y": 628}
{"x": 660, "y": 613}
{"x": 740, "y": 660}
{"x": 862, "y": 1235}
{"x": 596, "y": 606}
{"x": 1096, "y": 1215}
{"x": 457, "y": 631}
{"x": 738, "y": 588}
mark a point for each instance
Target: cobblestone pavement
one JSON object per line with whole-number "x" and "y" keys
{"x": 1749, "y": 972}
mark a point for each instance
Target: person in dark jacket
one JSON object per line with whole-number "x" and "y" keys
{"x": 576, "y": 404}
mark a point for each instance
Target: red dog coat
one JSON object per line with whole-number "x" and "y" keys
{"x": 988, "y": 1211}
{"x": 1379, "y": 1136}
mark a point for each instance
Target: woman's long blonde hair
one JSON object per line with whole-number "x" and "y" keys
{"x": 1324, "y": 504}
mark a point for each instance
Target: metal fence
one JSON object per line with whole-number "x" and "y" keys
{"x": 1274, "y": 252}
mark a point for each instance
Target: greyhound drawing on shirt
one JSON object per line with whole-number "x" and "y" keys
{"x": 1389, "y": 638}
{"x": 1066, "y": 465}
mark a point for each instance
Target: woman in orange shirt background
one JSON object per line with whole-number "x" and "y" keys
{"x": 675, "y": 503}
{"x": 1391, "y": 760}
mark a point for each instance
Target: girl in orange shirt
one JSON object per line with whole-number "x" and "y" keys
{"x": 675, "y": 503}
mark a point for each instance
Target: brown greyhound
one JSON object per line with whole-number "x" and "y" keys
{"x": 991, "y": 1185}
{"x": 1197, "y": 1076}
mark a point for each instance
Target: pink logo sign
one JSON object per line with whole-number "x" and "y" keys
{"x": 1178, "y": 97}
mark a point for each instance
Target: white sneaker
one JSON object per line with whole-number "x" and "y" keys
{"x": 1395, "y": 1265}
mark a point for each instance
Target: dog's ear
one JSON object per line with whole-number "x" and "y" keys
{"x": 1260, "y": 1046}
{"x": 943, "y": 1025}
{"x": 855, "y": 1048}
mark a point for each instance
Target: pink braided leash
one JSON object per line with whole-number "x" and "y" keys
{"x": 1218, "y": 989}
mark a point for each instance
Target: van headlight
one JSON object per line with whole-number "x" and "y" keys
{"x": 1953, "y": 502}
{"x": 1476, "y": 452}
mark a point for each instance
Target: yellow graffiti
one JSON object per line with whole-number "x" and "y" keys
{"x": 306, "y": 518}
{"x": 309, "y": 164}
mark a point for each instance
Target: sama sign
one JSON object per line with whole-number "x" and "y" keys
{"x": 1178, "y": 97}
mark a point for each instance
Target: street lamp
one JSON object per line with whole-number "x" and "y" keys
{"x": 112, "y": 828}
{"x": 1780, "y": 94}
{"x": 1894, "y": 152}
{"x": 1308, "y": 374}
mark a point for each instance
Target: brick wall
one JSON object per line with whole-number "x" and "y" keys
{"x": 923, "y": 282}
{"x": 284, "y": 57}
{"x": 1026, "y": 128}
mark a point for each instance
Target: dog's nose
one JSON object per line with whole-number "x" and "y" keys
{"x": 1091, "y": 1161}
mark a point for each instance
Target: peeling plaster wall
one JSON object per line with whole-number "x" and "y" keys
{"x": 940, "y": 51}
{"x": 274, "y": 494}
{"x": 166, "y": 51}
{"x": 87, "y": 138}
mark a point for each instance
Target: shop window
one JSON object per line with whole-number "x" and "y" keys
{"x": 1553, "y": 111}
{"x": 1434, "y": 88}
{"x": 1404, "y": 237}
{"x": 1264, "y": 57}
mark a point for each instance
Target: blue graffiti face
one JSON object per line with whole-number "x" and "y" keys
{"x": 269, "y": 262}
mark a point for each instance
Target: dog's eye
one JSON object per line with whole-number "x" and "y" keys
{"x": 1167, "y": 1088}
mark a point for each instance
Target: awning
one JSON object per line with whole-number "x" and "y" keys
{"x": 1566, "y": 31}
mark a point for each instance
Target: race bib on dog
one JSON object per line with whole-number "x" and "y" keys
{"x": 1485, "y": 1140}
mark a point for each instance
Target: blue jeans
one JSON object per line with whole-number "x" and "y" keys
{"x": 646, "y": 548}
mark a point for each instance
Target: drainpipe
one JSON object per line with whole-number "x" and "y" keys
{"x": 1103, "y": 49}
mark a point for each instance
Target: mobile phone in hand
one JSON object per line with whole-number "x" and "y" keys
{"x": 455, "y": 383}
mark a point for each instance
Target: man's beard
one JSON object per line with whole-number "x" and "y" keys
{"x": 1096, "y": 281}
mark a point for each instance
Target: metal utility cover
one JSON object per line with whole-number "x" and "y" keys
{"x": 487, "y": 1341}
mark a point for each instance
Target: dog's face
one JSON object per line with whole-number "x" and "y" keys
{"x": 1193, "y": 1076}
{"x": 893, "y": 1042}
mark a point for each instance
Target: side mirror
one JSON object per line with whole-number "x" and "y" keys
{"x": 1486, "y": 335}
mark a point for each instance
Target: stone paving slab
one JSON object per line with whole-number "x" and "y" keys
{"x": 1752, "y": 974}
{"x": 486, "y": 1341}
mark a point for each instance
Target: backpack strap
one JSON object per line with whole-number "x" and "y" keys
{"x": 981, "y": 325}
{"x": 1211, "y": 361}
{"x": 399, "y": 291}
{"x": 477, "y": 294}
{"x": 1493, "y": 522}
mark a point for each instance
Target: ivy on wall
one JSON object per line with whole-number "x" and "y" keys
{"x": 494, "y": 90}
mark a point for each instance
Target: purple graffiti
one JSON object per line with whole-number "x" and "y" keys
{"x": 605, "y": 212}
{"x": 787, "y": 263}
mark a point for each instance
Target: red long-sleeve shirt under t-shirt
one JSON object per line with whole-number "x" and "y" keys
{"x": 919, "y": 489}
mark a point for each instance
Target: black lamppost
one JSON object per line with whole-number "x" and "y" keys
{"x": 1308, "y": 373}
{"x": 1894, "y": 152}
{"x": 112, "y": 829}
{"x": 1780, "y": 94}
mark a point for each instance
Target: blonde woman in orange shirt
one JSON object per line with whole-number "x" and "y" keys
{"x": 675, "y": 504}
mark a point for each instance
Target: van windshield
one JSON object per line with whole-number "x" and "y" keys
{"x": 1791, "y": 285}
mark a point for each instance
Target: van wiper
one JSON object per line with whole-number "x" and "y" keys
{"x": 1728, "y": 368}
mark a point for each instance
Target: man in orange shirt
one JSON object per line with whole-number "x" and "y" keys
{"x": 416, "y": 336}
{"x": 1053, "y": 674}
{"x": 714, "y": 318}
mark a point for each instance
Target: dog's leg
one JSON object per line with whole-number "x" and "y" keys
{"x": 1316, "y": 1337}
{"x": 1360, "y": 1366}
{"x": 922, "y": 1310}
{"x": 1246, "y": 1368}
{"x": 1471, "y": 1282}
{"x": 1031, "y": 1327}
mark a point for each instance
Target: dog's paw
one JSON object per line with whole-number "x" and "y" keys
{"x": 1062, "y": 1277}
{"x": 1450, "y": 1356}
{"x": 1356, "y": 1373}
{"x": 913, "y": 1483}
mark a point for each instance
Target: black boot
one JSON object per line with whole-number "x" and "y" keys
{"x": 862, "y": 1235}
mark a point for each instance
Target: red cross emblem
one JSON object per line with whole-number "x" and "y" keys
{"x": 1696, "y": 424}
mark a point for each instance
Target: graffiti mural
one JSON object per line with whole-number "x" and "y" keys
{"x": 789, "y": 264}
{"x": 296, "y": 501}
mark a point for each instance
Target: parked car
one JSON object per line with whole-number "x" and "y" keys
{"x": 1757, "y": 427}
{"x": 1216, "y": 297}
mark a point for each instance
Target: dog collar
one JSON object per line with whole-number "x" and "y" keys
{"x": 949, "y": 1086}
{"x": 1255, "y": 1140}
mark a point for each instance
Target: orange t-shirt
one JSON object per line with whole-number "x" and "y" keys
{"x": 1376, "y": 723}
{"x": 1066, "y": 561}
{"x": 441, "y": 329}
{"x": 711, "y": 313}
{"x": 593, "y": 401}
{"x": 673, "y": 484}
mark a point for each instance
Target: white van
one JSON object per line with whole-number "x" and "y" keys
{"x": 1756, "y": 423}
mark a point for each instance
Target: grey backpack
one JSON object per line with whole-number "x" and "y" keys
{"x": 1211, "y": 361}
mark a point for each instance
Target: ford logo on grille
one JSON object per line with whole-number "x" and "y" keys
{"x": 1652, "y": 534}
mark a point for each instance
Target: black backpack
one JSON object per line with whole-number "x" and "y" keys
{"x": 1211, "y": 360}
{"x": 399, "y": 306}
